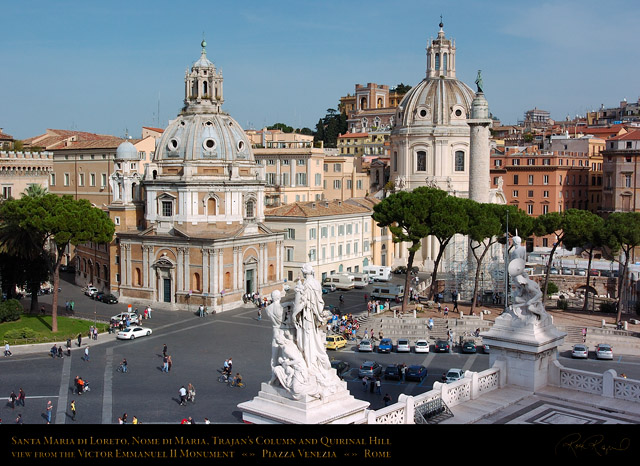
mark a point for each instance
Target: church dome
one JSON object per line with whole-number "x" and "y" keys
{"x": 126, "y": 151}
{"x": 212, "y": 137}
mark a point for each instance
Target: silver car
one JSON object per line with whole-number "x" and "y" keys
{"x": 454, "y": 375}
{"x": 369, "y": 369}
{"x": 580, "y": 351}
{"x": 365, "y": 345}
{"x": 604, "y": 351}
{"x": 403, "y": 346}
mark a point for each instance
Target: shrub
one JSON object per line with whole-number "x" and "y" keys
{"x": 20, "y": 333}
{"x": 609, "y": 308}
{"x": 552, "y": 288}
{"x": 563, "y": 304}
{"x": 10, "y": 310}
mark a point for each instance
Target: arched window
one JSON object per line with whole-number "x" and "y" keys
{"x": 444, "y": 62}
{"x": 138, "y": 277}
{"x": 363, "y": 103}
{"x": 195, "y": 282}
{"x": 250, "y": 209}
{"x": 437, "y": 61}
{"x": 227, "y": 280}
{"x": 205, "y": 89}
{"x": 379, "y": 102}
{"x": 211, "y": 206}
{"x": 459, "y": 161}
{"x": 272, "y": 273}
{"x": 421, "y": 161}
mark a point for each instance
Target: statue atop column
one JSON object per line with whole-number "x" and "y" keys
{"x": 479, "y": 82}
{"x": 299, "y": 360}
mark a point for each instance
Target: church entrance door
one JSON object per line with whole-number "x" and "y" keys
{"x": 248, "y": 279}
{"x": 166, "y": 290}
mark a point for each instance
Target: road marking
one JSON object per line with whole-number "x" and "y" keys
{"x": 107, "y": 394}
{"x": 469, "y": 362}
{"x": 61, "y": 409}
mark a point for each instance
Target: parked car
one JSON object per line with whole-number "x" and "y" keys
{"x": 133, "y": 317}
{"x": 421, "y": 346}
{"x": 486, "y": 349}
{"x": 416, "y": 372}
{"x": 454, "y": 375}
{"x": 553, "y": 271}
{"x": 594, "y": 272}
{"x": 365, "y": 345}
{"x": 567, "y": 271}
{"x": 580, "y": 351}
{"x": 97, "y": 296}
{"x": 329, "y": 287}
{"x": 369, "y": 369}
{"x": 385, "y": 345}
{"x": 442, "y": 346}
{"x": 400, "y": 269}
{"x": 469, "y": 346}
{"x": 604, "y": 351}
{"x": 581, "y": 272}
{"x": 109, "y": 299}
{"x": 132, "y": 333}
{"x": 341, "y": 367}
{"x": 403, "y": 346}
{"x": 392, "y": 371}
{"x": 335, "y": 342}
{"x": 91, "y": 290}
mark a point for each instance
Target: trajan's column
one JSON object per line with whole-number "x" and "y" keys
{"x": 479, "y": 174}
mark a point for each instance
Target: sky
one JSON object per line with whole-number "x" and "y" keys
{"x": 114, "y": 67}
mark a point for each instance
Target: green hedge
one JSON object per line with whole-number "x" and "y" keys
{"x": 10, "y": 310}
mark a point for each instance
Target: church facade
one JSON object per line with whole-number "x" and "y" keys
{"x": 190, "y": 230}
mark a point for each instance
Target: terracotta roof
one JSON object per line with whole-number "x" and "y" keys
{"x": 55, "y": 139}
{"x": 602, "y": 129}
{"x": 633, "y": 135}
{"x": 5, "y": 136}
{"x": 320, "y": 208}
{"x": 159, "y": 130}
{"x": 354, "y": 135}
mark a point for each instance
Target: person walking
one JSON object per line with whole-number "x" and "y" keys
{"x": 454, "y": 295}
{"x": 201, "y": 310}
{"x": 73, "y": 410}
{"x": 49, "y": 409}
{"x": 259, "y": 313}
{"x": 79, "y": 339}
{"x": 165, "y": 364}
{"x": 134, "y": 420}
{"x": 387, "y": 399}
{"x": 19, "y": 419}
{"x": 21, "y": 397}
{"x": 378, "y": 386}
{"x": 7, "y": 350}
{"x": 364, "y": 383}
{"x": 164, "y": 349}
{"x": 86, "y": 354}
{"x": 183, "y": 396}
{"x": 12, "y": 399}
{"x": 169, "y": 362}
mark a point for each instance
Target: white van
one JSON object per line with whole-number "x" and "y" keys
{"x": 378, "y": 273}
{"x": 340, "y": 281}
{"x": 360, "y": 280}
{"x": 388, "y": 292}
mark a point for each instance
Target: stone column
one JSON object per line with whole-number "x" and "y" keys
{"x": 205, "y": 270}
{"x": 180, "y": 269}
{"x": 145, "y": 266}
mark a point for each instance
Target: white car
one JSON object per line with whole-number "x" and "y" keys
{"x": 421, "y": 346}
{"x": 365, "y": 345}
{"x": 132, "y": 333}
{"x": 403, "y": 346}
{"x": 133, "y": 317}
{"x": 454, "y": 375}
{"x": 91, "y": 290}
{"x": 604, "y": 351}
{"x": 580, "y": 351}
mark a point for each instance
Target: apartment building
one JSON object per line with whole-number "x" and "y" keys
{"x": 620, "y": 172}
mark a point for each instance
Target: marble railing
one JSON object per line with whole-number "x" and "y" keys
{"x": 470, "y": 387}
{"x": 607, "y": 384}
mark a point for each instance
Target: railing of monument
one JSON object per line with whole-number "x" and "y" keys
{"x": 470, "y": 387}
{"x": 608, "y": 384}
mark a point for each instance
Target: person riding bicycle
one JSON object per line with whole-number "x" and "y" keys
{"x": 237, "y": 380}
{"x": 123, "y": 364}
{"x": 341, "y": 299}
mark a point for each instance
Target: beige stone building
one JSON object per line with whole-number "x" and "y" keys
{"x": 19, "y": 170}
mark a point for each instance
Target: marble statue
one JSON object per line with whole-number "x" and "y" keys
{"x": 299, "y": 361}
{"x": 526, "y": 300}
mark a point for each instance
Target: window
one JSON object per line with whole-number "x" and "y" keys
{"x": 337, "y": 184}
{"x": 545, "y": 193}
{"x": 301, "y": 162}
{"x": 340, "y": 230}
{"x": 530, "y": 193}
{"x": 52, "y": 179}
{"x": 318, "y": 179}
{"x": 531, "y": 161}
{"x": 285, "y": 179}
{"x": 312, "y": 254}
{"x": 515, "y": 193}
{"x": 359, "y": 184}
{"x": 421, "y": 161}
{"x": 167, "y": 208}
{"x": 459, "y": 161}
{"x": 545, "y": 209}
{"x": 92, "y": 179}
{"x": 271, "y": 178}
{"x": 286, "y": 162}
{"x": 365, "y": 246}
{"x": 288, "y": 252}
{"x": 103, "y": 180}
{"x": 80, "y": 179}
{"x": 349, "y": 228}
{"x": 326, "y": 167}
{"x": 339, "y": 251}
{"x": 116, "y": 220}
{"x": 312, "y": 233}
{"x": 530, "y": 179}
{"x": 67, "y": 179}
{"x": 349, "y": 184}
{"x": 627, "y": 181}
{"x": 545, "y": 179}
{"x": 546, "y": 161}
{"x": 515, "y": 162}
{"x": 301, "y": 179}
{"x": 497, "y": 163}
{"x": 530, "y": 209}
{"x": 323, "y": 232}
{"x": 250, "y": 209}
{"x": 515, "y": 179}
{"x": 6, "y": 192}
{"x": 290, "y": 233}
{"x": 337, "y": 167}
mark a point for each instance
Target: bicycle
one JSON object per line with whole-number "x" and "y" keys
{"x": 121, "y": 368}
{"x": 224, "y": 379}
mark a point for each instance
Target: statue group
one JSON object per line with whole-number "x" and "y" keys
{"x": 299, "y": 361}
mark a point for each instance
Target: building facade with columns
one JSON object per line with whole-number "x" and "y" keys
{"x": 202, "y": 239}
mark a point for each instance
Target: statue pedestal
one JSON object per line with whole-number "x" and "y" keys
{"x": 274, "y": 405}
{"x": 528, "y": 347}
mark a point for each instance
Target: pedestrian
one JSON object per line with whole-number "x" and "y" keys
{"x": 446, "y": 311}
{"x": 135, "y": 420}
{"x": 86, "y": 354}
{"x": 95, "y": 333}
{"x": 364, "y": 383}
{"x": 584, "y": 335}
{"x": 191, "y": 421}
{"x": 42, "y": 310}
{"x": 19, "y": 419}
{"x": 439, "y": 308}
{"x": 201, "y": 310}
{"x": 146, "y": 314}
{"x": 378, "y": 386}
{"x": 443, "y": 379}
{"x": 169, "y": 362}
{"x": 366, "y": 334}
{"x": 72, "y": 304}
{"x": 59, "y": 351}
{"x": 183, "y": 396}
{"x": 387, "y": 399}
{"x": 259, "y": 313}
{"x": 73, "y": 410}
{"x": 12, "y": 399}
{"x": 454, "y": 295}
{"x": 165, "y": 364}
{"x": 7, "y": 350}
{"x": 21, "y": 397}
{"x": 164, "y": 349}
{"x": 124, "y": 418}
{"x": 149, "y": 311}
{"x": 403, "y": 369}
{"x": 79, "y": 339}
{"x": 206, "y": 420}
{"x": 49, "y": 409}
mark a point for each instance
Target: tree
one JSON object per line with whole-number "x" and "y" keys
{"x": 625, "y": 231}
{"x": 404, "y": 214}
{"x": 61, "y": 220}
{"x": 35, "y": 190}
{"x": 282, "y": 127}
{"x": 402, "y": 88}
{"x": 550, "y": 224}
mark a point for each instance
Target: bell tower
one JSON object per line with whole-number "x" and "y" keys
{"x": 203, "y": 86}
{"x": 441, "y": 56}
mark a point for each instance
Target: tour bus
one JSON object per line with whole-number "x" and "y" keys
{"x": 360, "y": 280}
{"x": 342, "y": 281}
{"x": 391, "y": 292}
{"x": 378, "y": 273}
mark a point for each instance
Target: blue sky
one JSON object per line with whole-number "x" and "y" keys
{"x": 106, "y": 67}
